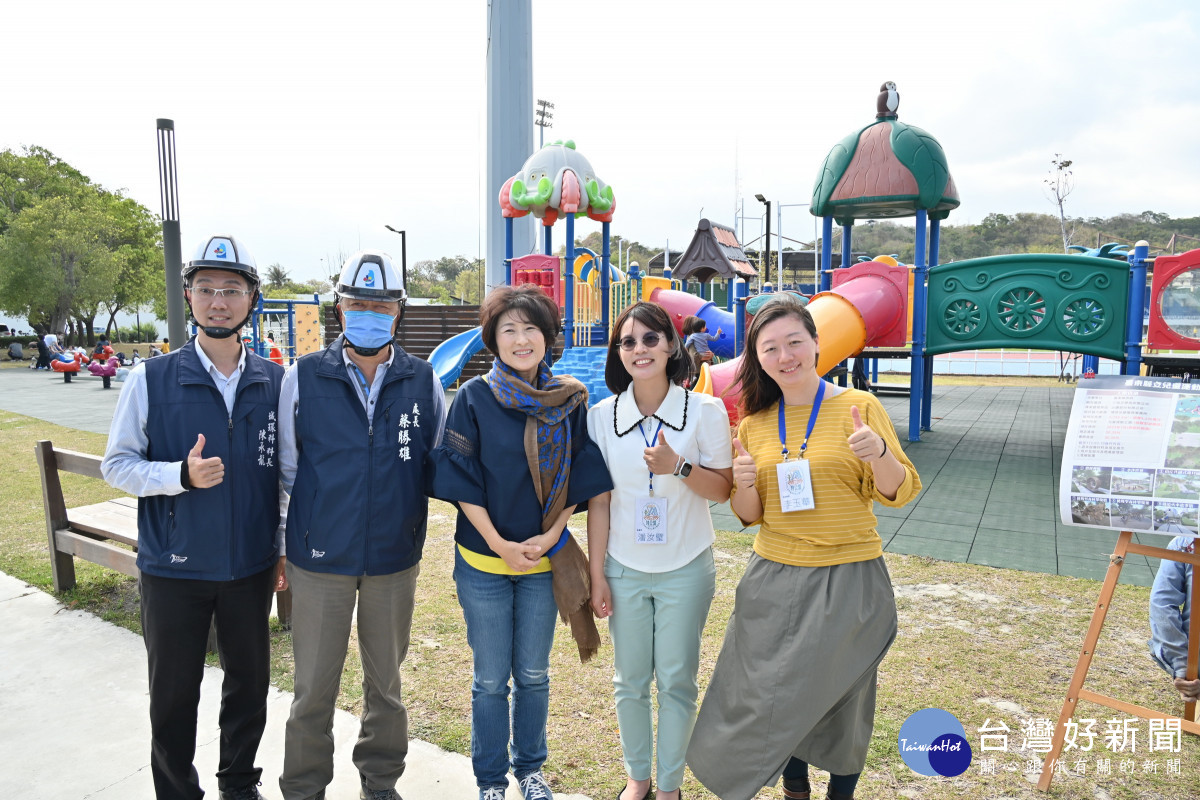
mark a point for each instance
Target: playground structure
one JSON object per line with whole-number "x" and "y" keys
{"x": 296, "y": 325}
{"x": 1089, "y": 303}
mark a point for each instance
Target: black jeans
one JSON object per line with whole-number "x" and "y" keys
{"x": 176, "y": 614}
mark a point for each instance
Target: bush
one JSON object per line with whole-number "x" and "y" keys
{"x": 147, "y": 333}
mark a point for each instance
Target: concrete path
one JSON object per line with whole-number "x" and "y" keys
{"x": 74, "y": 719}
{"x": 73, "y": 705}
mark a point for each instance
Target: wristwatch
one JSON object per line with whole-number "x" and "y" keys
{"x": 686, "y": 469}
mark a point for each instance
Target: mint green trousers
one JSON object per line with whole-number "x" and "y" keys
{"x": 656, "y": 624}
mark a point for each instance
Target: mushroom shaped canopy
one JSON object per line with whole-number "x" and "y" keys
{"x": 887, "y": 169}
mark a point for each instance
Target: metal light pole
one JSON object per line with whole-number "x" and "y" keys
{"x": 172, "y": 251}
{"x": 403, "y": 255}
{"x": 779, "y": 207}
{"x": 542, "y": 120}
{"x": 767, "y": 240}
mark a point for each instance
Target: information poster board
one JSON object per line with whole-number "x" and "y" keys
{"x": 1131, "y": 460}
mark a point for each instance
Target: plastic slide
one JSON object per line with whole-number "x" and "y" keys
{"x": 449, "y": 357}
{"x": 681, "y": 304}
{"x": 586, "y": 271}
{"x": 868, "y": 307}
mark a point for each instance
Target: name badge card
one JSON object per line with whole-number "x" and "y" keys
{"x": 795, "y": 486}
{"x": 650, "y": 520}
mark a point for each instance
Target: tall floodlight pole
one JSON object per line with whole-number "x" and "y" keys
{"x": 403, "y": 255}
{"x": 767, "y": 242}
{"x": 172, "y": 251}
{"x": 542, "y": 120}
{"x": 509, "y": 107}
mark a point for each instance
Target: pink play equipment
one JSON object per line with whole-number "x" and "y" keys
{"x": 105, "y": 369}
{"x": 541, "y": 271}
{"x": 866, "y": 307}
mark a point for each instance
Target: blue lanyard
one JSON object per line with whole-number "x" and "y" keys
{"x": 648, "y": 442}
{"x": 812, "y": 421}
{"x": 362, "y": 383}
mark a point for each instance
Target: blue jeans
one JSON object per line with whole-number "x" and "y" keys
{"x": 510, "y": 628}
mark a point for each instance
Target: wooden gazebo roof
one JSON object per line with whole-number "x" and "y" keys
{"x": 714, "y": 252}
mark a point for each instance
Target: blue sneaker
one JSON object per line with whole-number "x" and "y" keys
{"x": 534, "y": 787}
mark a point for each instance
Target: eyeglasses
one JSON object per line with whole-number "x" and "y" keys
{"x": 649, "y": 338}
{"x": 208, "y": 293}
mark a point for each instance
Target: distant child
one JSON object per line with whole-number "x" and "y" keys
{"x": 698, "y": 338}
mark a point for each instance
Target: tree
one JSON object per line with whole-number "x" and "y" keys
{"x": 277, "y": 276}
{"x": 468, "y": 284}
{"x": 68, "y": 247}
{"x": 1060, "y": 184}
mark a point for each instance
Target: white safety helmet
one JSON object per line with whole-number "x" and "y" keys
{"x": 370, "y": 275}
{"x": 223, "y": 252}
{"x": 228, "y": 254}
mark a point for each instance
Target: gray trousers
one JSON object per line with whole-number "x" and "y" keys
{"x": 322, "y": 611}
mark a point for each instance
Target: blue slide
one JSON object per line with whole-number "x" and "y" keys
{"x": 449, "y": 357}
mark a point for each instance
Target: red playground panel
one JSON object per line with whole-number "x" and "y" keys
{"x": 1175, "y": 303}
{"x": 540, "y": 270}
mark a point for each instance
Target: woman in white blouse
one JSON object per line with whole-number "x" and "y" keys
{"x": 650, "y": 539}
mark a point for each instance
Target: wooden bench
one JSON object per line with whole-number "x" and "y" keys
{"x": 95, "y": 532}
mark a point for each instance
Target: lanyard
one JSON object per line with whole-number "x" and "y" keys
{"x": 648, "y": 442}
{"x": 812, "y": 421}
{"x": 362, "y": 383}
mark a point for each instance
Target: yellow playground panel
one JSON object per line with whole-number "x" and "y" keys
{"x": 310, "y": 335}
{"x": 587, "y": 312}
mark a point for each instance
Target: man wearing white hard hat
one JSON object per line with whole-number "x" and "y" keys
{"x": 357, "y": 421}
{"x": 192, "y": 436}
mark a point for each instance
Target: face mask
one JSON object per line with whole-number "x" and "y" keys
{"x": 367, "y": 329}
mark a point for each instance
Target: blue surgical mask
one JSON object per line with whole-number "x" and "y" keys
{"x": 368, "y": 329}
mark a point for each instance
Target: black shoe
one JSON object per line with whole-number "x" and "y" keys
{"x": 796, "y": 789}
{"x": 378, "y": 794}
{"x": 649, "y": 795}
{"x": 244, "y": 793}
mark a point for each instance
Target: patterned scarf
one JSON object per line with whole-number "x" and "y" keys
{"x": 547, "y": 434}
{"x": 548, "y": 454}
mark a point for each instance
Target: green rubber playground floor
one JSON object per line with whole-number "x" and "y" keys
{"x": 989, "y": 469}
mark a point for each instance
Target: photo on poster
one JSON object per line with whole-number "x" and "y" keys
{"x": 1132, "y": 443}
{"x": 1091, "y": 479}
{"x": 1176, "y": 519}
{"x": 1089, "y": 511}
{"x": 1177, "y": 484}
{"x": 1183, "y": 447}
{"x": 1133, "y": 482}
{"x": 1131, "y": 515}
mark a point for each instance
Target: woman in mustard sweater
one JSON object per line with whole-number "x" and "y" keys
{"x": 814, "y": 614}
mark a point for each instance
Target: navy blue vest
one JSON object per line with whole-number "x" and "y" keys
{"x": 358, "y": 505}
{"x": 227, "y": 531}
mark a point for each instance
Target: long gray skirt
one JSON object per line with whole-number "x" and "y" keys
{"x": 796, "y": 675}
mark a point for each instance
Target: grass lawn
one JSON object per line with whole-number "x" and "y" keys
{"x": 982, "y": 643}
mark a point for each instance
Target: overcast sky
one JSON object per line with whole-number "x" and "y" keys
{"x": 304, "y": 128}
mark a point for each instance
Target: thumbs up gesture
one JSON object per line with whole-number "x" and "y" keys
{"x": 203, "y": 473}
{"x": 745, "y": 471}
{"x": 864, "y": 442}
{"x": 660, "y": 458}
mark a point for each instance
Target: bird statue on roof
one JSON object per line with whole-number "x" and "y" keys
{"x": 888, "y": 101}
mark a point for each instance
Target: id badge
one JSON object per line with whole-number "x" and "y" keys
{"x": 650, "y": 520}
{"x": 795, "y": 486}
